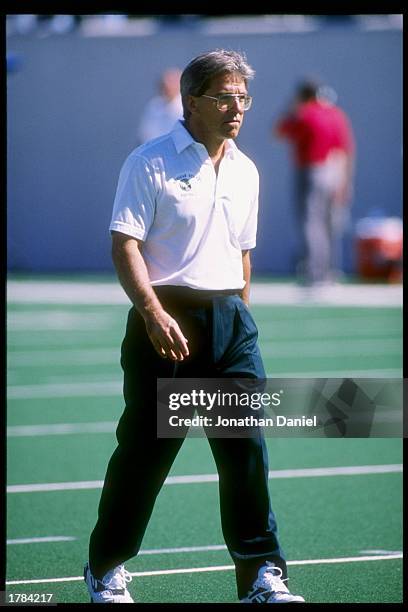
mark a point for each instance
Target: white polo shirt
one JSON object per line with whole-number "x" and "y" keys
{"x": 193, "y": 223}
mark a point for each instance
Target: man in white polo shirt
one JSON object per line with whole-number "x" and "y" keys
{"x": 183, "y": 224}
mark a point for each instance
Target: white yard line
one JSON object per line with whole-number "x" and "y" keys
{"x": 182, "y": 549}
{"x": 60, "y": 429}
{"x": 40, "y": 540}
{"x": 91, "y": 356}
{"x": 275, "y": 346}
{"x": 202, "y": 478}
{"x": 217, "y": 568}
{"x": 97, "y": 427}
{"x": 108, "y": 388}
{"x": 52, "y": 357}
{"x": 378, "y": 551}
{"x": 334, "y": 327}
{"x": 383, "y": 373}
{"x": 102, "y": 388}
{"x": 324, "y": 348}
{"x": 171, "y": 551}
{"x": 58, "y": 320}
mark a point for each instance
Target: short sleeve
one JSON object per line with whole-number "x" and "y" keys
{"x": 134, "y": 205}
{"x": 247, "y": 237}
{"x": 344, "y": 133}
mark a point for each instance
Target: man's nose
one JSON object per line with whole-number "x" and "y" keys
{"x": 237, "y": 105}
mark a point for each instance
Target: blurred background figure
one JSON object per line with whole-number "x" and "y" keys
{"x": 163, "y": 110}
{"x": 324, "y": 149}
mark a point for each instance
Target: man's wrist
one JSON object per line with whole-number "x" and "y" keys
{"x": 148, "y": 306}
{"x": 151, "y": 311}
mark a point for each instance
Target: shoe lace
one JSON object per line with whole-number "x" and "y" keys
{"x": 117, "y": 578}
{"x": 272, "y": 576}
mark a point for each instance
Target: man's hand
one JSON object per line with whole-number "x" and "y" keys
{"x": 343, "y": 194}
{"x": 246, "y": 268}
{"x": 166, "y": 336}
{"x": 163, "y": 331}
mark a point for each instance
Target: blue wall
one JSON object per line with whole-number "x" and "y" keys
{"x": 74, "y": 105}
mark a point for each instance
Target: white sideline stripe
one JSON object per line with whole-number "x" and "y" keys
{"x": 215, "y": 568}
{"x": 71, "y": 292}
{"x": 198, "y": 478}
{"x": 40, "y": 540}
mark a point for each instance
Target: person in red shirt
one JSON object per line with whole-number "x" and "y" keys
{"x": 323, "y": 147}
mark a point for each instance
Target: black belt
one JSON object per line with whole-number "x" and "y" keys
{"x": 176, "y": 292}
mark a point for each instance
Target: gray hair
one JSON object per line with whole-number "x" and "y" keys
{"x": 196, "y": 76}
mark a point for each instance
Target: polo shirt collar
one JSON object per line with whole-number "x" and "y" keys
{"x": 231, "y": 148}
{"x": 183, "y": 139}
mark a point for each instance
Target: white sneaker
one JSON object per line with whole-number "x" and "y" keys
{"x": 112, "y": 587}
{"x": 270, "y": 588}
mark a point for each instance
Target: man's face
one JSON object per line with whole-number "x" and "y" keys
{"x": 221, "y": 123}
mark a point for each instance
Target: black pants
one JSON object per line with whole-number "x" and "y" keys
{"x": 222, "y": 342}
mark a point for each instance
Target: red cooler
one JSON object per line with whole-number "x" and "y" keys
{"x": 379, "y": 249}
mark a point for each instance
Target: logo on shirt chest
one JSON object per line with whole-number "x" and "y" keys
{"x": 186, "y": 181}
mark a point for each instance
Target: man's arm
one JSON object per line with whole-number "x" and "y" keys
{"x": 246, "y": 266}
{"x": 163, "y": 331}
{"x": 343, "y": 155}
{"x": 343, "y": 164}
{"x": 346, "y": 194}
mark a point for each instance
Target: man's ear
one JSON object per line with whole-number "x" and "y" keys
{"x": 192, "y": 104}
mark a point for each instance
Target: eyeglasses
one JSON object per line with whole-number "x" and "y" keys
{"x": 226, "y": 101}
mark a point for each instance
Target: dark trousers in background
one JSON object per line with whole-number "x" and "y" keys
{"x": 222, "y": 343}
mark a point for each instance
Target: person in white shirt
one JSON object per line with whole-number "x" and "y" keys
{"x": 163, "y": 110}
{"x": 183, "y": 224}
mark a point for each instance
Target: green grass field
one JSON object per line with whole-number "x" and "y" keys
{"x": 341, "y": 530}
